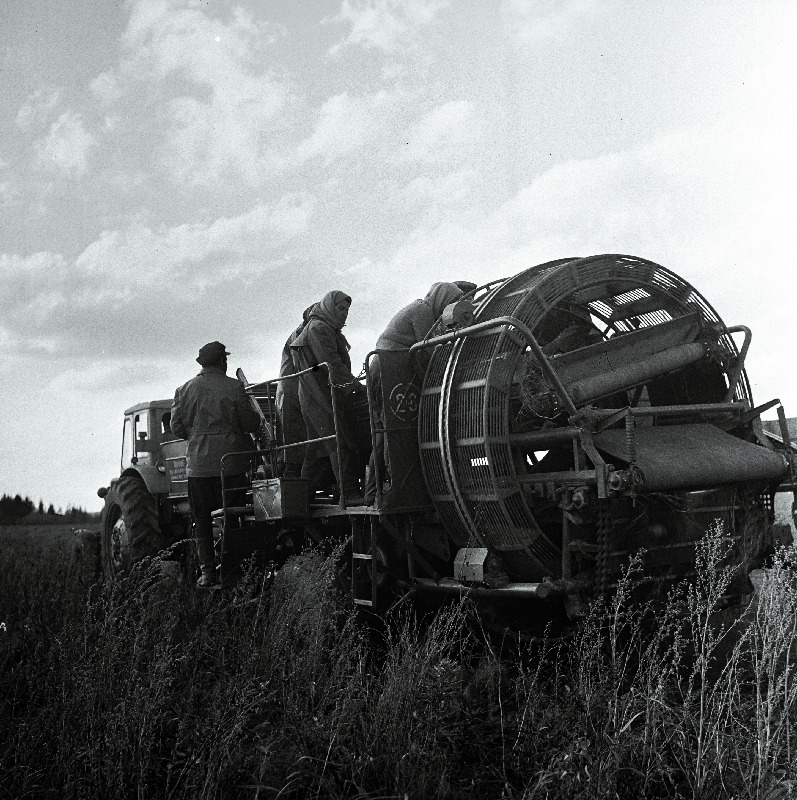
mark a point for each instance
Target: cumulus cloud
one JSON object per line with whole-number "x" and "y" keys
{"x": 666, "y": 200}
{"x": 385, "y": 24}
{"x": 217, "y": 99}
{"x": 342, "y": 127}
{"x": 143, "y": 287}
{"x": 449, "y": 196}
{"x": 550, "y": 20}
{"x": 363, "y": 124}
{"x": 9, "y": 190}
{"x": 449, "y": 188}
{"x": 66, "y": 147}
{"x": 38, "y": 109}
{"x": 447, "y": 131}
{"x": 106, "y": 88}
{"x": 189, "y": 254}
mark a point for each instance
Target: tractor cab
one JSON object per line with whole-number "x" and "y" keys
{"x": 145, "y": 428}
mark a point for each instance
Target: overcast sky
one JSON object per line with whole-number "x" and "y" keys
{"x": 175, "y": 171}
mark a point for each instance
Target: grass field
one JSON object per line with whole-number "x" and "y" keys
{"x": 276, "y": 689}
{"x": 39, "y": 540}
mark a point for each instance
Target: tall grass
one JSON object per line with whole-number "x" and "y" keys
{"x": 277, "y": 689}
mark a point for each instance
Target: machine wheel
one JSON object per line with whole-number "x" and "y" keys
{"x": 130, "y": 527}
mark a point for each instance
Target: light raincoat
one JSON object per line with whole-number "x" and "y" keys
{"x": 214, "y": 413}
{"x": 321, "y": 341}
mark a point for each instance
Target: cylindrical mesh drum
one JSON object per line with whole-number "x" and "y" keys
{"x": 472, "y": 403}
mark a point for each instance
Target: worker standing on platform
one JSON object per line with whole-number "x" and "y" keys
{"x": 322, "y": 342}
{"x": 408, "y": 327}
{"x": 213, "y": 412}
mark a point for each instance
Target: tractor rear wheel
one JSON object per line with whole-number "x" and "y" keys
{"x": 130, "y": 526}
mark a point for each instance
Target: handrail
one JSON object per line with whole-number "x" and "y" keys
{"x": 263, "y": 386}
{"x": 372, "y": 425}
{"x": 733, "y": 379}
{"x": 256, "y": 388}
{"x": 252, "y": 387}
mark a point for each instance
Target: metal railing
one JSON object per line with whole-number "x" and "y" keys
{"x": 256, "y": 390}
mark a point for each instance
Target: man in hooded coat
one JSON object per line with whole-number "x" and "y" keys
{"x": 412, "y": 324}
{"x": 322, "y": 341}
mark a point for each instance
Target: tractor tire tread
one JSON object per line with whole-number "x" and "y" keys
{"x": 138, "y": 508}
{"x": 145, "y": 533}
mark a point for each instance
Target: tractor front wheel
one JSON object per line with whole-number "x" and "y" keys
{"x": 130, "y": 527}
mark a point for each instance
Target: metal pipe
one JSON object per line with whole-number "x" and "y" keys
{"x": 633, "y": 373}
{"x": 733, "y": 378}
{"x": 240, "y": 453}
{"x": 567, "y": 570}
{"x": 377, "y": 477}
{"x": 735, "y": 407}
{"x": 584, "y": 477}
{"x": 524, "y": 331}
{"x": 332, "y": 394}
{"x": 300, "y": 444}
{"x": 674, "y": 411}
{"x": 537, "y": 440}
{"x": 786, "y": 436}
{"x": 254, "y": 388}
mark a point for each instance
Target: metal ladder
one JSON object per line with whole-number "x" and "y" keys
{"x": 236, "y": 523}
{"x": 363, "y": 578}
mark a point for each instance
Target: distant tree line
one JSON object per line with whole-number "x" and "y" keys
{"x": 14, "y": 510}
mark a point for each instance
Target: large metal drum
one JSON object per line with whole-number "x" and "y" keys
{"x": 473, "y": 407}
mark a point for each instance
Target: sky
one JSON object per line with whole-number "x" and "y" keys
{"x": 174, "y": 172}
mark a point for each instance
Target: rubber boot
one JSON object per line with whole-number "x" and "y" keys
{"x": 207, "y": 556}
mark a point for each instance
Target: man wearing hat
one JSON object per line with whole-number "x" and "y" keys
{"x": 214, "y": 413}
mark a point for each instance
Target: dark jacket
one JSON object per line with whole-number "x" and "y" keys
{"x": 213, "y": 412}
{"x": 414, "y": 322}
{"x": 408, "y": 326}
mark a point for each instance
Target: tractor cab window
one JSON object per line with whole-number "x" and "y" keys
{"x": 127, "y": 443}
{"x": 136, "y": 429}
{"x": 142, "y": 425}
{"x": 142, "y": 432}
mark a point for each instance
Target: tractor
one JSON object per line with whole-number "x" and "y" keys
{"x": 146, "y": 510}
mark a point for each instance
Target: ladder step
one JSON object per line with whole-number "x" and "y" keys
{"x": 359, "y": 602}
{"x": 363, "y": 556}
